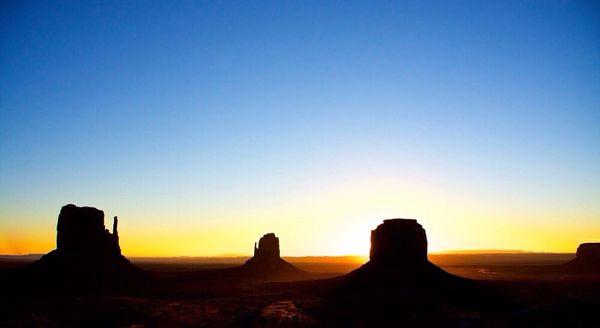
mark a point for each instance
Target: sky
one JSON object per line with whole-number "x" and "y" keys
{"x": 205, "y": 124}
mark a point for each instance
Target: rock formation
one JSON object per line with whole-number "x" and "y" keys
{"x": 268, "y": 246}
{"x": 87, "y": 257}
{"x": 398, "y": 242}
{"x": 398, "y": 284}
{"x": 587, "y": 259}
{"x": 399, "y": 256}
{"x": 266, "y": 264}
{"x": 80, "y": 230}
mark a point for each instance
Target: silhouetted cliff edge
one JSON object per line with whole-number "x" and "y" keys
{"x": 587, "y": 259}
{"x": 87, "y": 258}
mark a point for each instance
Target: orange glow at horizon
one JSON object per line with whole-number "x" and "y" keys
{"x": 333, "y": 222}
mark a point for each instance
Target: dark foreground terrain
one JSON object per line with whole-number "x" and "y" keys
{"x": 505, "y": 290}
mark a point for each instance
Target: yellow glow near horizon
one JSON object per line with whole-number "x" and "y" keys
{"x": 336, "y": 222}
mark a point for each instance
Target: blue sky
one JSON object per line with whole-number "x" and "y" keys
{"x": 189, "y": 110}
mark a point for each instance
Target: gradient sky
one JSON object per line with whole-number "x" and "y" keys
{"x": 204, "y": 125}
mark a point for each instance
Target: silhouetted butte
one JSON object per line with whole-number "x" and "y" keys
{"x": 398, "y": 286}
{"x": 587, "y": 259}
{"x": 266, "y": 264}
{"x": 87, "y": 258}
{"x": 399, "y": 256}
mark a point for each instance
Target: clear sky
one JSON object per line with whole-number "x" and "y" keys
{"x": 205, "y": 124}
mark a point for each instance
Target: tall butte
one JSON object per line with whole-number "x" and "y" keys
{"x": 267, "y": 264}
{"x": 87, "y": 257}
{"x": 399, "y": 256}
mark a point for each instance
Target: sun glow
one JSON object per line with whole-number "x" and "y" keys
{"x": 333, "y": 221}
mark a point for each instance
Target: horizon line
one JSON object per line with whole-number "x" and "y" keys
{"x": 232, "y": 256}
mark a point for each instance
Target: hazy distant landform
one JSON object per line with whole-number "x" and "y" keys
{"x": 400, "y": 284}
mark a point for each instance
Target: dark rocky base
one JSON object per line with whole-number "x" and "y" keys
{"x": 61, "y": 274}
{"x": 271, "y": 269}
{"x": 532, "y": 303}
{"x": 418, "y": 274}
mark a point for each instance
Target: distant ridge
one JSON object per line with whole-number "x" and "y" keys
{"x": 21, "y": 257}
{"x": 484, "y": 251}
